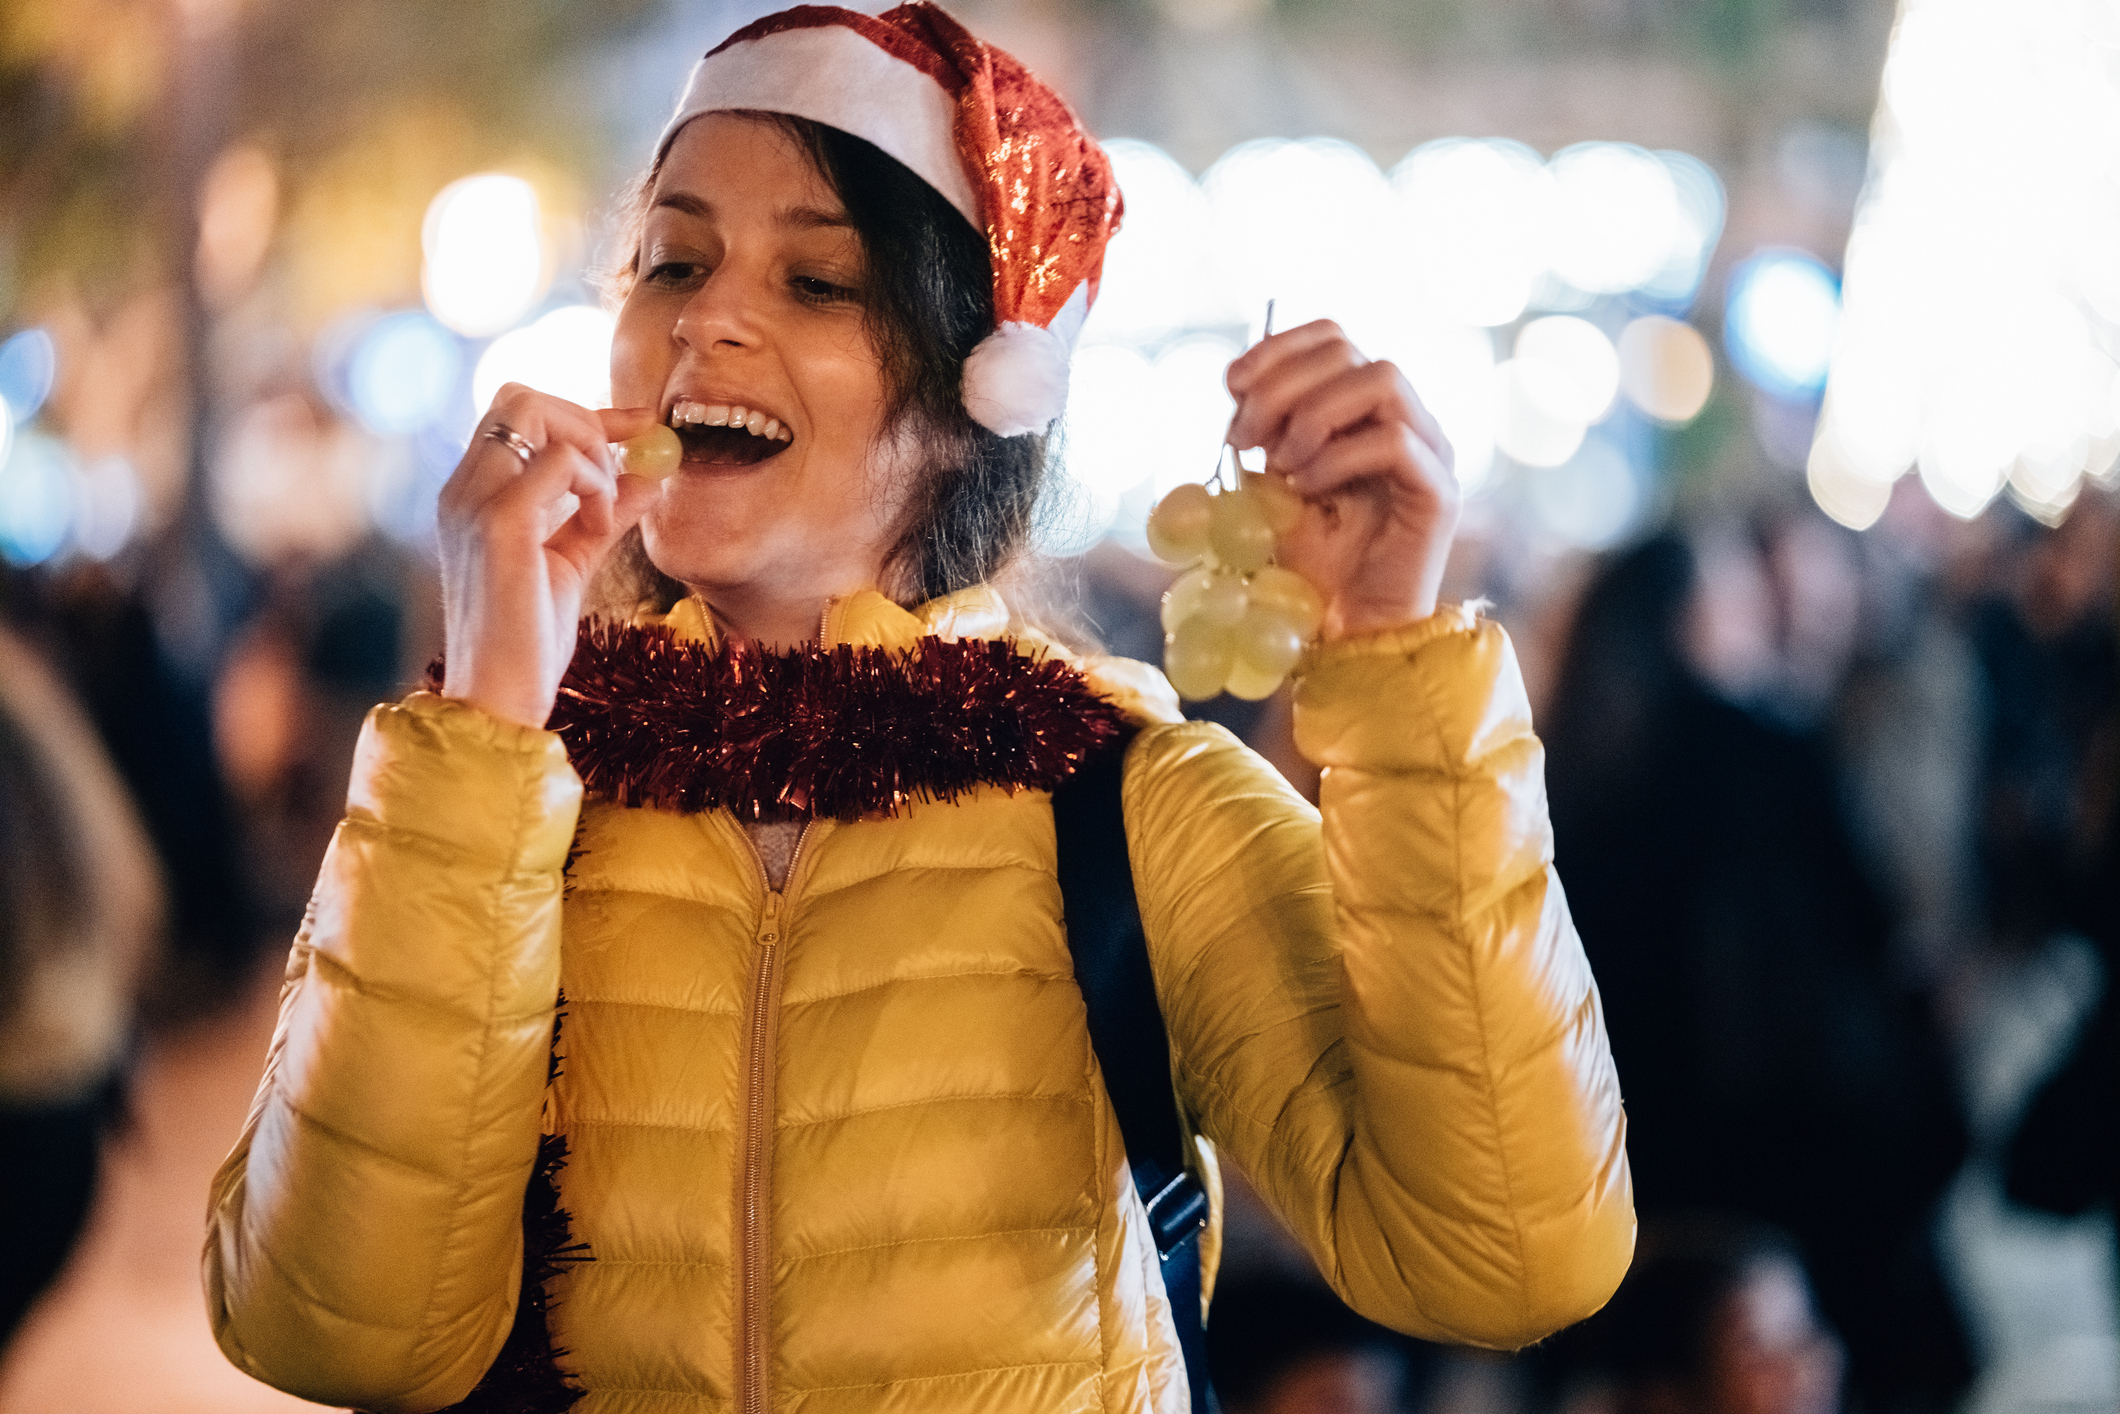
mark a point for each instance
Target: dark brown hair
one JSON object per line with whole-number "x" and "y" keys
{"x": 929, "y": 300}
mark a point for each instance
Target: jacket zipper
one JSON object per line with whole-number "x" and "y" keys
{"x": 754, "y": 1195}
{"x": 755, "y": 1186}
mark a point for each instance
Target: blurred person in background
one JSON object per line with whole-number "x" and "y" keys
{"x": 2043, "y": 630}
{"x": 2051, "y": 831}
{"x": 324, "y": 645}
{"x": 1907, "y": 730}
{"x": 1774, "y": 1066}
{"x": 1715, "y": 1317}
{"x": 81, "y": 910}
{"x": 1814, "y": 576}
{"x": 1283, "y": 1344}
{"x": 152, "y": 713}
{"x": 825, "y": 1123}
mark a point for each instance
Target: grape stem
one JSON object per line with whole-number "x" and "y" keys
{"x": 1236, "y": 475}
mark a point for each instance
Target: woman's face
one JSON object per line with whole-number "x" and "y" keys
{"x": 747, "y": 296}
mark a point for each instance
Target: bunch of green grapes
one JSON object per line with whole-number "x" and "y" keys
{"x": 1235, "y": 622}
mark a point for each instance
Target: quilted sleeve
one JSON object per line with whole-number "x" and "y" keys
{"x": 364, "y": 1237}
{"x": 1384, "y": 1016}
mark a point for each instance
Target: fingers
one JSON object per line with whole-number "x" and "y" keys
{"x": 1269, "y": 353}
{"x": 588, "y": 535}
{"x": 1387, "y": 452}
{"x": 1269, "y": 389}
{"x": 550, "y": 425}
{"x": 1374, "y": 392}
{"x": 1299, "y": 390}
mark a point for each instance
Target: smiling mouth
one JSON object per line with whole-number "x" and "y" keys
{"x": 714, "y": 434}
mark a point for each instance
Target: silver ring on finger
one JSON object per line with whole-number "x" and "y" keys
{"x": 513, "y": 440}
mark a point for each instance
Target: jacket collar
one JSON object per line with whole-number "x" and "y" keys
{"x": 867, "y": 618}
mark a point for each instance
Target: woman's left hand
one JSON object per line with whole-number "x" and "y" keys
{"x": 1380, "y": 501}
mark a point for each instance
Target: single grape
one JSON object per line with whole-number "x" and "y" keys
{"x": 1267, "y": 647}
{"x": 1288, "y": 595}
{"x": 1268, "y": 643}
{"x": 1249, "y": 683}
{"x": 1238, "y": 533}
{"x": 1197, "y": 658}
{"x": 1182, "y": 599}
{"x": 1177, "y": 527}
{"x": 654, "y": 454}
{"x": 1278, "y": 501}
{"x": 1222, "y": 600}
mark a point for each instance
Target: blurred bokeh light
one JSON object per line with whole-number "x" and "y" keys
{"x": 1781, "y": 320}
{"x": 1982, "y": 299}
{"x": 486, "y": 260}
{"x": 36, "y": 498}
{"x": 566, "y": 353}
{"x": 28, "y": 363}
{"x": 402, "y": 373}
{"x": 1666, "y": 368}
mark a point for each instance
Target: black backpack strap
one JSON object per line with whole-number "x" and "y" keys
{"x": 1126, "y": 1029}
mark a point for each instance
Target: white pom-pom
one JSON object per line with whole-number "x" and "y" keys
{"x": 1015, "y": 381}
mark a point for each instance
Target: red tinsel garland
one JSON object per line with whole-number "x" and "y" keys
{"x": 841, "y": 732}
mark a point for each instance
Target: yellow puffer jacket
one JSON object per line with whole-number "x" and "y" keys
{"x": 845, "y": 1146}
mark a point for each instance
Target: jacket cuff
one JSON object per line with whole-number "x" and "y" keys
{"x": 435, "y": 767}
{"x": 1432, "y": 696}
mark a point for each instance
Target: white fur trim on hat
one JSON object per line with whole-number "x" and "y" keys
{"x": 1015, "y": 380}
{"x": 832, "y": 75}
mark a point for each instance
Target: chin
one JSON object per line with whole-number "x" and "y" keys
{"x": 707, "y": 541}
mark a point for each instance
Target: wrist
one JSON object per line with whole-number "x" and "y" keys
{"x": 513, "y": 706}
{"x": 1353, "y": 620}
{"x": 513, "y": 713}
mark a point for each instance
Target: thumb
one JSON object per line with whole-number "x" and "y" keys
{"x": 622, "y": 423}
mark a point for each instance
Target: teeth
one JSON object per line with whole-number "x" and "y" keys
{"x": 685, "y": 412}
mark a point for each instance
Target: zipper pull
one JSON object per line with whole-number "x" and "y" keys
{"x": 769, "y": 928}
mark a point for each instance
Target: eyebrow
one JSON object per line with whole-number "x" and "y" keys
{"x": 807, "y": 218}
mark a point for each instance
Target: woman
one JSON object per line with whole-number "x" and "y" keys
{"x": 835, "y": 1133}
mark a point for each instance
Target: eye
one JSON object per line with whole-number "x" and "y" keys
{"x": 671, "y": 273}
{"x": 812, "y": 290}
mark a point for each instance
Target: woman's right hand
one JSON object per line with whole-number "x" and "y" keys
{"x": 511, "y": 589}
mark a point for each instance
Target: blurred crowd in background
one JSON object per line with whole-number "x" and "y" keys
{"x": 1776, "y": 340}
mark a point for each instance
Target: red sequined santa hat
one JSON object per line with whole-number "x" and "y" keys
{"x": 981, "y": 129}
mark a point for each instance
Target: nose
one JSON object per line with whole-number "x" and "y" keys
{"x": 723, "y": 313}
